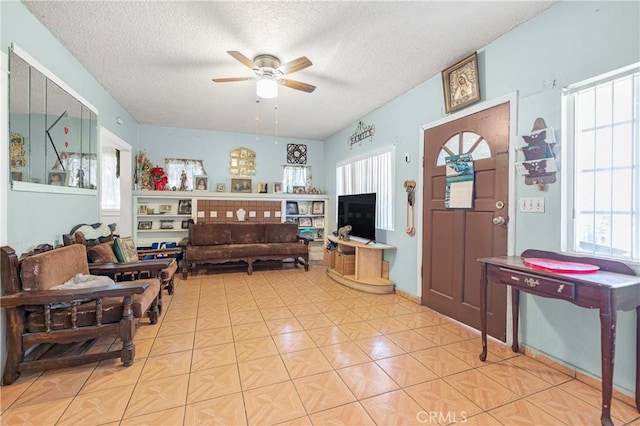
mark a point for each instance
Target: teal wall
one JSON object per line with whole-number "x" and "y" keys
{"x": 568, "y": 43}
{"x": 214, "y": 149}
{"x": 35, "y": 217}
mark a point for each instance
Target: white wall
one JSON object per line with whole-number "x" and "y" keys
{"x": 565, "y": 44}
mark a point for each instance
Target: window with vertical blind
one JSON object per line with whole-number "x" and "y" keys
{"x": 602, "y": 123}
{"x": 373, "y": 172}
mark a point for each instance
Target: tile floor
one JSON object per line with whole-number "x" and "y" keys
{"x": 289, "y": 347}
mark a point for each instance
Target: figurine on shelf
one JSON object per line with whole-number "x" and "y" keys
{"x": 183, "y": 181}
{"x": 159, "y": 178}
{"x": 80, "y": 176}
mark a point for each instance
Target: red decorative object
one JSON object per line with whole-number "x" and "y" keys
{"x": 159, "y": 178}
{"x": 560, "y": 266}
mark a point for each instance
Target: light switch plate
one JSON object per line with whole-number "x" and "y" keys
{"x": 531, "y": 204}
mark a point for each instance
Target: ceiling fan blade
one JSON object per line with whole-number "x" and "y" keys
{"x": 230, "y": 79}
{"x": 298, "y": 85}
{"x": 295, "y": 65}
{"x": 243, "y": 59}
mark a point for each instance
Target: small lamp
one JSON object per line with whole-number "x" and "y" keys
{"x": 267, "y": 87}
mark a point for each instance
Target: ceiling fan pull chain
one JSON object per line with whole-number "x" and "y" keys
{"x": 257, "y": 119}
{"x": 276, "y": 141}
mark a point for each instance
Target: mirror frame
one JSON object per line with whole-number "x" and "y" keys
{"x": 19, "y": 185}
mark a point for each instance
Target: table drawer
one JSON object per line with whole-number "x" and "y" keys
{"x": 538, "y": 285}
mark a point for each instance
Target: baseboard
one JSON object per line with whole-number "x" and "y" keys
{"x": 594, "y": 382}
{"x": 414, "y": 299}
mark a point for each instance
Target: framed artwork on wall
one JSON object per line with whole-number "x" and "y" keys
{"x": 461, "y": 83}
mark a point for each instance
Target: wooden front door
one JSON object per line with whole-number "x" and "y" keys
{"x": 453, "y": 239}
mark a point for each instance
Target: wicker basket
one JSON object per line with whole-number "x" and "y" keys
{"x": 345, "y": 264}
{"x": 328, "y": 258}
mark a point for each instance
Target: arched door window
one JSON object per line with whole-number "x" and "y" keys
{"x": 464, "y": 143}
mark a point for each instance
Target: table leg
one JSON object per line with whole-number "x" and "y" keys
{"x": 483, "y": 310}
{"x": 515, "y": 316}
{"x": 607, "y": 342}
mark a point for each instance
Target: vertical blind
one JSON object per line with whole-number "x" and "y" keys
{"x": 372, "y": 173}
{"x": 110, "y": 181}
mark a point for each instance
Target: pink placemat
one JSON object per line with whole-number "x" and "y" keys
{"x": 553, "y": 265}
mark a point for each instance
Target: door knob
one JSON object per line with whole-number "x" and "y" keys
{"x": 499, "y": 220}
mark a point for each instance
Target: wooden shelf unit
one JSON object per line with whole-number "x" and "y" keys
{"x": 370, "y": 272}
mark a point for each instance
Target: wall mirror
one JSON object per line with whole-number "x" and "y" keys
{"x": 53, "y": 131}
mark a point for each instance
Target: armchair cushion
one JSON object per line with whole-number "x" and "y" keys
{"x": 86, "y": 315}
{"x": 102, "y": 253}
{"x": 38, "y": 274}
{"x": 125, "y": 250}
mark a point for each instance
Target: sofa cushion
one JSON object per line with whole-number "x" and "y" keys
{"x": 102, "y": 253}
{"x": 223, "y": 252}
{"x": 205, "y": 234}
{"x": 281, "y": 233}
{"x": 45, "y": 270}
{"x": 283, "y": 249}
{"x": 248, "y": 233}
{"x": 111, "y": 310}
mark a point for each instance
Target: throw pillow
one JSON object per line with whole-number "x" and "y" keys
{"x": 102, "y": 253}
{"x": 125, "y": 250}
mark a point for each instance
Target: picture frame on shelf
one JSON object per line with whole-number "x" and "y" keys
{"x": 184, "y": 206}
{"x": 166, "y": 224}
{"x": 220, "y": 187}
{"x": 185, "y": 224}
{"x": 305, "y": 222}
{"x": 292, "y": 207}
{"x": 201, "y": 183}
{"x": 303, "y": 208}
{"x": 276, "y": 187}
{"x": 241, "y": 185}
{"x": 262, "y": 187}
{"x": 145, "y": 224}
{"x": 142, "y": 209}
{"x": 299, "y": 190}
{"x": 57, "y": 178}
{"x": 165, "y": 208}
{"x": 318, "y": 222}
{"x": 461, "y": 83}
{"x": 317, "y": 207}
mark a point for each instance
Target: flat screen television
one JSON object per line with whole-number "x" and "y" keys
{"x": 359, "y": 211}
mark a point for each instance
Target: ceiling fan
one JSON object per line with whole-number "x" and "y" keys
{"x": 269, "y": 73}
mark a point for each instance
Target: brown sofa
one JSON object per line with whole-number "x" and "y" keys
{"x": 215, "y": 243}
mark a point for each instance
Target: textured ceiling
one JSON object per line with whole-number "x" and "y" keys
{"x": 157, "y": 58}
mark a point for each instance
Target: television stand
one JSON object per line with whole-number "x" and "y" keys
{"x": 369, "y": 274}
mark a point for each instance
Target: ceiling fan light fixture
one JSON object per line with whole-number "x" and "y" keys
{"x": 267, "y": 87}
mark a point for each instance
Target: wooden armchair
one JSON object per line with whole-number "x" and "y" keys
{"x": 52, "y": 328}
{"x": 99, "y": 239}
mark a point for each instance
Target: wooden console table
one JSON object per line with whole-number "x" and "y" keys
{"x": 614, "y": 287}
{"x": 369, "y": 275}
